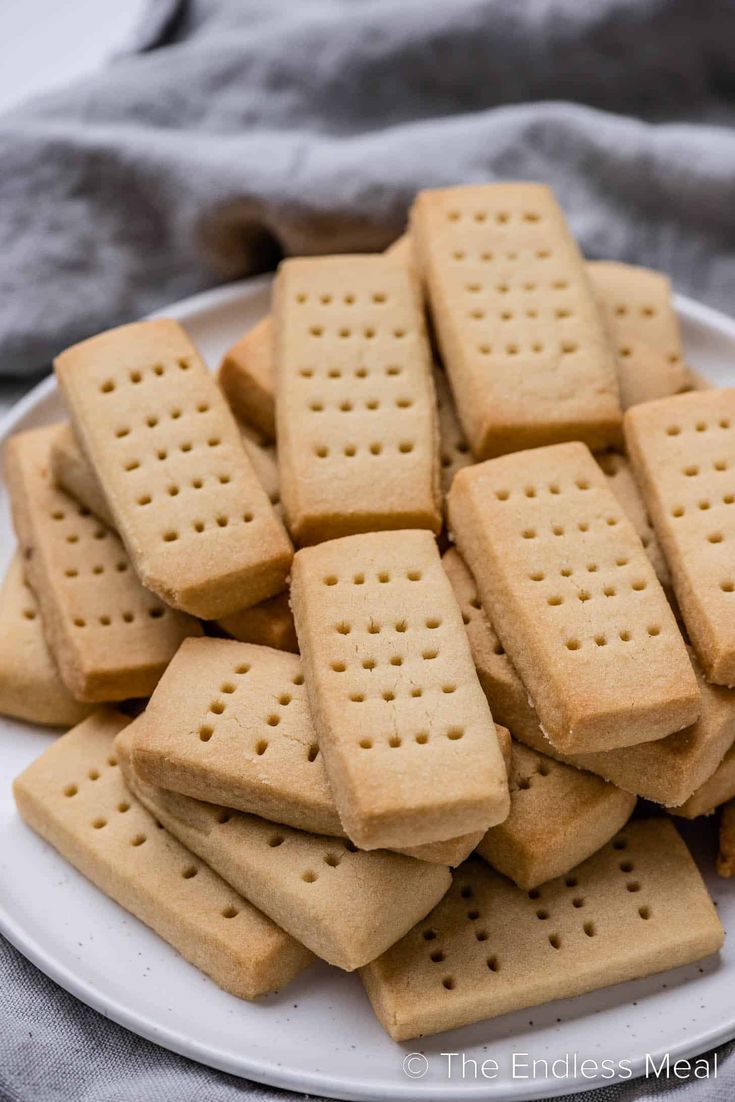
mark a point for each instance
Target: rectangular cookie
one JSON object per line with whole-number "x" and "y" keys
{"x": 637, "y": 907}
{"x": 247, "y": 373}
{"x": 408, "y": 739}
{"x": 265, "y": 465}
{"x": 344, "y": 905}
{"x": 643, "y": 329}
{"x": 573, "y": 598}
{"x": 74, "y": 796}
{"x": 402, "y": 249}
{"x": 683, "y": 453}
{"x": 247, "y": 378}
{"x": 197, "y": 523}
{"x": 454, "y": 451}
{"x": 356, "y": 411}
{"x": 456, "y": 850}
{"x": 517, "y": 324}
{"x": 270, "y": 624}
{"x": 110, "y": 637}
{"x": 667, "y": 771}
{"x": 716, "y": 790}
{"x": 30, "y": 683}
{"x": 622, "y": 482}
{"x": 72, "y": 472}
{"x": 505, "y": 692}
{"x": 726, "y": 849}
{"x": 559, "y": 816}
{"x": 230, "y": 724}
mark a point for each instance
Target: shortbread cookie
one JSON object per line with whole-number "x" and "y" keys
{"x": 506, "y": 745}
{"x": 516, "y": 320}
{"x": 717, "y": 790}
{"x": 643, "y": 329}
{"x": 666, "y": 771}
{"x": 456, "y": 850}
{"x": 669, "y": 770}
{"x": 726, "y": 853}
{"x": 453, "y": 851}
{"x": 559, "y": 816}
{"x": 454, "y": 451}
{"x": 683, "y": 453}
{"x": 265, "y": 465}
{"x": 247, "y": 373}
{"x": 72, "y": 472}
{"x": 408, "y": 740}
{"x": 637, "y": 907}
{"x": 344, "y": 905}
{"x": 30, "y": 683}
{"x": 573, "y": 598}
{"x": 402, "y": 250}
{"x": 622, "y": 482}
{"x": 183, "y": 494}
{"x": 230, "y": 724}
{"x": 247, "y": 377}
{"x": 356, "y": 412}
{"x": 74, "y": 796}
{"x": 110, "y": 637}
{"x": 501, "y": 684}
{"x": 269, "y": 624}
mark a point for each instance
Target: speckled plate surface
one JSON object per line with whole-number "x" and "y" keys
{"x": 319, "y": 1035}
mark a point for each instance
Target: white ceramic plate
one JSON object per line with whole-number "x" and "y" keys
{"x": 319, "y": 1035}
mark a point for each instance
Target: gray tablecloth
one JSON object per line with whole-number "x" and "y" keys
{"x": 233, "y": 130}
{"x": 240, "y": 128}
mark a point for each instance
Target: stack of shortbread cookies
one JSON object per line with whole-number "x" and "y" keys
{"x": 413, "y": 745}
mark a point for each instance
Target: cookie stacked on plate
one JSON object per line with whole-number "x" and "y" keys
{"x": 330, "y": 731}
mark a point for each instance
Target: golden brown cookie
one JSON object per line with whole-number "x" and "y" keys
{"x": 516, "y": 320}
{"x": 574, "y": 599}
{"x": 167, "y": 451}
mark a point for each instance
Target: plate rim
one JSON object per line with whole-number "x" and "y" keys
{"x": 268, "y": 1072}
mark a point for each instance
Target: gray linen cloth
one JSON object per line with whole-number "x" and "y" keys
{"x": 233, "y": 130}
{"x": 245, "y": 127}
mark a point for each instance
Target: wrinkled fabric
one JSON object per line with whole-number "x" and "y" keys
{"x": 232, "y": 131}
{"x": 239, "y": 130}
